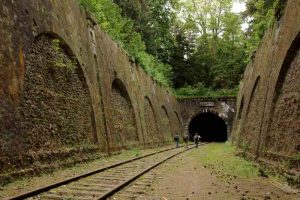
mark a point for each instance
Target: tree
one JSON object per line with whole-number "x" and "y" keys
{"x": 182, "y": 70}
{"x": 124, "y": 31}
{"x": 153, "y": 19}
{"x": 219, "y": 55}
{"x": 201, "y": 39}
{"x": 261, "y": 15}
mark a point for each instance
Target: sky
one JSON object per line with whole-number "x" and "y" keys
{"x": 238, "y": 7}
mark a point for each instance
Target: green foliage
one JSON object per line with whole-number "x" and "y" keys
{"x": 61, "y": 61}
{"x": 153, "y": 19}
{"x": 202, "y": 40}
{"x": 202, "y": 91}
{"x": 122, "y": 30}
{"x": 56, "y": 45}
{"x": 245, "y": 148}
{"x": 160, "y": 71}
{"x": 211, "y": 47}
{"x": 119, "y": 28}
{"x": 262, "y": 14}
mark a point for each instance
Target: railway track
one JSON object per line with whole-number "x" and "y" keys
{"x": 106, "y": 182}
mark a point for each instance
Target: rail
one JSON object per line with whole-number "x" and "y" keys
{"x": 139, "y": 166}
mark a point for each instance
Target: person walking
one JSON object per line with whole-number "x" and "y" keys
{"x": 186, "y": 140}
{"x": 176, "y": 138}
{"x": 197, "y": 138}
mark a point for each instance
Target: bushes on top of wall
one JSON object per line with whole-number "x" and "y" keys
{"x": 121, "y": 30}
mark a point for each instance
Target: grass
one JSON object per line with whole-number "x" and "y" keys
{"x": 221, "y": 157}
{"x": 134, "y": 152}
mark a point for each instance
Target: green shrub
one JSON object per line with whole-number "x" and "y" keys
{"x": 121, "y": 30}
{"x": 201, "y": 91}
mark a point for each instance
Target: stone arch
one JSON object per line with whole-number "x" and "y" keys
{"x": 209, "y": 124}
{"x": 283, "y": 133}
{"x": 202, "y": 111}
{"x": 165, "y": 110}
{"x": 253, "y": 91}
{"x": 179, "y": 123}
{"x": 239, "y": 115}
{"x": 178, "y": 119}
{"x": 199, "y": 112}
{"x": 123, "y": 117}
{"x": 252, "y": 96}
{"x": 253, "y": 115}
{"x": 151, "y": 134}
{"x": 166, "y": 129}
{"x": 56, "y": 105}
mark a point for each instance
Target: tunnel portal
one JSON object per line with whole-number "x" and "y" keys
{"x": 209, "y": 126}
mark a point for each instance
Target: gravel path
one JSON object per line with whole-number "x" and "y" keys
{"x": 185, "y": 178}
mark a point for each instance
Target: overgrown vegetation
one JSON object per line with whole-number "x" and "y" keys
{"x": 197, "y": 47}
{"x": 260, "y": 15}
{"x": 201, "y": 90}
{"x": 221, "y": 157}
{"x": 60, "y": 60}
{"x": 211, "y": 49}
{"x": 124, "y": 31}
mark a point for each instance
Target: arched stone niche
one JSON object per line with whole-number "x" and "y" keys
{"x": 123, "y": 117}
{"x": 239, "y": 115}
{"x": 283, "y": 135}
{"x": 165, "y": 122}
{"x": 56, "y": 105}
{"x": 249, "y": 134}
{"x": 151, "y": 134}
{"x": 179, "y": 123}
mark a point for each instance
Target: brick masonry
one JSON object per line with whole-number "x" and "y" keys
{"x": 68, "y": 93}
{"x": 224, "y": 107}
{"x": 267, "y": 123}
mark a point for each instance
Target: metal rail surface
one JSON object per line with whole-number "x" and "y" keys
{"x": 103, "y": 182}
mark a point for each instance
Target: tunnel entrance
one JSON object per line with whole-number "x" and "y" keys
{"x": 209, "y": 126}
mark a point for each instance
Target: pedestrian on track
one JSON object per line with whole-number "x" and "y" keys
{"x": 176, "y": 139}
{"x": 197, "y": 138}
{"x": 186, "y": 138}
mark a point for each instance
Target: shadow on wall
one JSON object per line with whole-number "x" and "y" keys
{"x": 210, "y": 126}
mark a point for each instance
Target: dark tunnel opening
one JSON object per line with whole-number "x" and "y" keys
{"x": 209, "y": 126}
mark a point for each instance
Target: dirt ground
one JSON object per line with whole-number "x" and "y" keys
{"x": 184, "y": 177}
